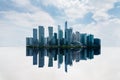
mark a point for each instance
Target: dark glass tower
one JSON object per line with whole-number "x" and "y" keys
{"x": 66, "y": 31}
{"x": 50, "y": 38}
{"x": 83, "y": 39}
{"x": 90, "y": 40}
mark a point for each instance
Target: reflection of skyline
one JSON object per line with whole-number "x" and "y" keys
{"x": 62, "y": 56}
{"x": 64, "y": 48}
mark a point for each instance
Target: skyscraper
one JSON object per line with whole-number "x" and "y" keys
{"x": 65, "y": 25}
{"x": 83, "y": 39}
{"x": 77, "y": 36}
{"x": 35, "y": 37}
{"x": 50, "y": 30}
{"x": 97, "y": 42}
{"x": 90, "y": 40}
{"x": 73, "y": 37}
{"x": 69, "y": 36}
{"x": 41, "y": 35}
{"x": 58, "y": 35}
{"x": 55, "y": 39}
{"x": 29, "y": 42}
{"x": 65, "y": 40}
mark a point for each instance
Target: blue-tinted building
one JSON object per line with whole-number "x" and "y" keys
{"x": 41, "y": 35}
{"x": 83, "y": 39}
{"x": 41, "y": 57}
{"x": 50, "y": 61}
{"x": 66, "y": 32}
{"x": 97, "y": 42}
{"x": 29, "y": 42}
{"x": 55, "y": 37}
{"x": 77, "y": 36}
{"x": 90, "y": 40}
{"x": 50, "y": 31}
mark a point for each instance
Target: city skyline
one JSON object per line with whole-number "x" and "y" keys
{"x": 62, "y": 47}
{"x": 60, "y": 39}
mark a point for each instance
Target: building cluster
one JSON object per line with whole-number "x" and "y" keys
{"x": 66, "y": 56}
{"x": 68, "y": 38}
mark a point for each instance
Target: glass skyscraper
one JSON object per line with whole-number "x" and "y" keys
{"x": 41, "y": 35}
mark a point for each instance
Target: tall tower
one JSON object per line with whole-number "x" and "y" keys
{"x": 65, "y": 25}
{"x": 50, "y": 31}
{"x": 77, "y": 36}
{"x": 34, "y": 36}
{"x": 41, "y": 35}
{"x": 58, "y": 31}
{"x": 58, "y": 35}
{"x": 66, "y": 31}
{"x": 90, "y": 40}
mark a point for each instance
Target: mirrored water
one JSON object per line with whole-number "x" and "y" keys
{"x": 14, "y": 65}
{"x": 62, "y": 56}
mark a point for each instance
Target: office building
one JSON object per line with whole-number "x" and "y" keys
{"x": 41, "y": 35}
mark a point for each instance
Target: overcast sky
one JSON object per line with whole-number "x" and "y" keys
{"x": 19, "y": 17}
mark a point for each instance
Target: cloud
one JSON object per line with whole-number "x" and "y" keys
{"x": 74, "y": 9}
{"x": 107, "y": 31}
{"x": 87, "y": 19}
{"x": 71, "y": 8}
{"x": 16, "y": 25}
{"x": 115, "y": 10}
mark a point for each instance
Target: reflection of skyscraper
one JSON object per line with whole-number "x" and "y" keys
{"x": 90, "y": 53}
{"x": 35, "y": 51}
{"x": 83, "y": 54}
{"x": 50, "y": 61}
{"x": 66, "y": 59}
{"x": 41, "y": 35}
{"x": 41, "y": 57}
{"x": 97, "y": 43}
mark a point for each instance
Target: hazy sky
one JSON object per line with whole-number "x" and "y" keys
{"x": 19, "y": 17}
